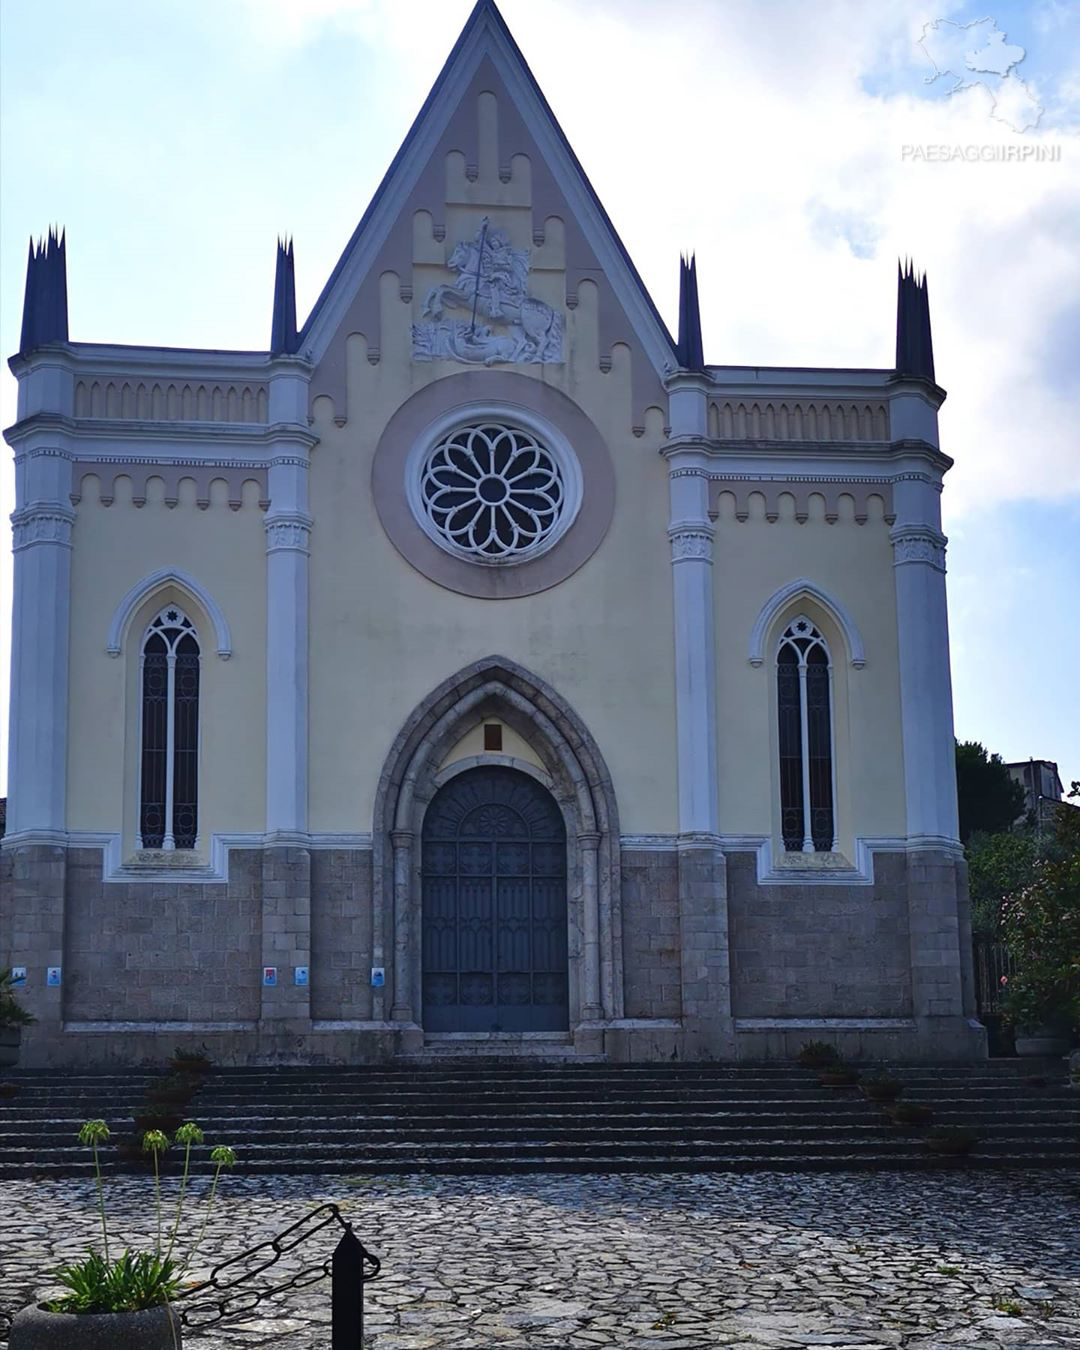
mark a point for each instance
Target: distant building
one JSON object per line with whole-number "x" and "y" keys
{"x": 1042, "y": 787}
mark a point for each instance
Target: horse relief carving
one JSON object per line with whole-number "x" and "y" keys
{"x": 502, "y": 322}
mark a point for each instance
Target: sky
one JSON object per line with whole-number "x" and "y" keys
{"x": 799, "y": 148}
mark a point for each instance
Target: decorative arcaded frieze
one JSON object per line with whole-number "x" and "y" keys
{"x": 694, "y": 544}
{"x": 42, "y": 523}
{"x": 288, "y": 533}
{"x": 918, "y": 544}
{"x": 233, "y": 473}
{"x": 171, "y": 400}
{"x": 869, "y": 497}
{"x": 802, "y": 420}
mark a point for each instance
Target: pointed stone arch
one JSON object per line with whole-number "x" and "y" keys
{"x": 795, "y": 590}
{"x": 143, "y": 589}
{"x": 582, "y": 786}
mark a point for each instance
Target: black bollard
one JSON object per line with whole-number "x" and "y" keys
{"x": 347, "y": 1293}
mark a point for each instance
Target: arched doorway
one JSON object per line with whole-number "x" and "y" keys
{"x": 494, "y": 914}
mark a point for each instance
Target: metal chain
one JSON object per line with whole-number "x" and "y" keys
{"x": 208, "y": 1312}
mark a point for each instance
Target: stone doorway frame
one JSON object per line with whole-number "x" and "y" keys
{"x": 581, "y": 784}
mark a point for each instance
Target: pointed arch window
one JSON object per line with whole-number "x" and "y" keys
{"x": 169, "y": 767}
{"x": 807, "y": 767}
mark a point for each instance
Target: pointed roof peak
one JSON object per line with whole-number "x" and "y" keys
{"x": 284, "y": 339}
{"x": 914, "y": 340}
{"x": 690, "y": 350}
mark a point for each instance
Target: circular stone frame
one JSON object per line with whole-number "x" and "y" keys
{"x": 466, "y": 397}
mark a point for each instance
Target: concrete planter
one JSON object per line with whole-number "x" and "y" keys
{"x": 152, "y": 1329}
{"x": 10, "y": 1041}
{"x": 1043, "y": 1042}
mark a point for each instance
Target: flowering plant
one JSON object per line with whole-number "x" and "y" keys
{"x": 1041, "y": 926}
{"x": 131, "y": 1282}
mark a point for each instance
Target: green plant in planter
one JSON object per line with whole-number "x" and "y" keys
{"x": 818, "y": 1054}
{"x": 12, "y": 1012}
{"x": 136, "y": 1281}
{"x": 13, "y": 1017}
{"x": 881, "y": 1088}
{"x": 186, "y": 1061}
{"x": 838, "y": 1075}
{"x": 177, "y": 1089}
{"x": 9, "y": 1089}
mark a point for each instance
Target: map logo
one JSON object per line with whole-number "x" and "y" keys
{"x": 976, "y": 56}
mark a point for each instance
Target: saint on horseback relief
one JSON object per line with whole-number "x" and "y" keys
{"x": 499, "y": 320}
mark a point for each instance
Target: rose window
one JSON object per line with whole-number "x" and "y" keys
{"x": 492, "y": 492}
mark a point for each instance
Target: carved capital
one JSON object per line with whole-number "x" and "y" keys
{"x": 589, "y": 840}
{"x": 288, "y": 533}
{"x": 402, "y": 839}
{"x": 42, "y": 523}
{"x": 691, "y": 543}
{"x": 918, "y": 544}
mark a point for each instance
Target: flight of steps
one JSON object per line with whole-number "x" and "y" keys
{"x": 505, "y": 1116}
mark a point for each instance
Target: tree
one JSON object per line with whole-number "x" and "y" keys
{"x": 1041, "y": 925}
{"x": 989, "y": 799}
{"x": 999, "y": 865}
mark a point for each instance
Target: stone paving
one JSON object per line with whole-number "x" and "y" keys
{"x": 951, "y": 1260}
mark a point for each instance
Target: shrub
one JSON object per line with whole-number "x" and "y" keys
{"x": 882, "y": 1088}
{"x": 12, "y": 1013}
{"x": 818, "y": 1054}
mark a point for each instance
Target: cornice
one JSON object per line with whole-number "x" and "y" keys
{"x": 757, "y": 459}
{"x": 83, "y": 432}
{"x": 118, "y": 361}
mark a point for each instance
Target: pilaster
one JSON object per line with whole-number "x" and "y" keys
{"x": 41, "y": 539}
{"x": 288, "y": 535}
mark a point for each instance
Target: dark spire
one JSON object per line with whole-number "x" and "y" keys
{"x": 914, "y": 344}
{"x": 45, "y": 307}
{"x": 283, "y": 339}
{"x": 690, "y": 351}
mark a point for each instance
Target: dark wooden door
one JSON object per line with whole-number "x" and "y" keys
{"x": 493, "y": 867}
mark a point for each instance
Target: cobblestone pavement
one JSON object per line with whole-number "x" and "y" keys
{"x": 920, "y": 1261}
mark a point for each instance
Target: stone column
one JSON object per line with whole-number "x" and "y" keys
{"x": 286, "y": 898}
{"x": 937, "y": 888}
{"x": 703, "y": 921}
{"x": 591, "y": 1006}
{"x": 402, "y": 1007}
{"x": 38, "y": 729}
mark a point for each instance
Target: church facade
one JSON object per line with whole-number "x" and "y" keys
{"x": 478, "y": 666}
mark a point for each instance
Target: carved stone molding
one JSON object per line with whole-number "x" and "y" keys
{"x": 801, "y": 489}
{"x": 918, "y": 544}
{"x": 234, "y": 473}
{"x": 693, "y": 544}
{"x": 787, "y": 419}
{"x": 288, "y": 533}
{"x": 42, "y": 523}
{"x": 171, "y": 400}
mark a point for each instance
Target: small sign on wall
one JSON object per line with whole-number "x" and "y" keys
{"x": 269, "y": 976}
{"x": 18, "y": 975}
{"x": 378, "y": 977}
{"x": 300, "y": 975}
{"x": 52, "y": 976}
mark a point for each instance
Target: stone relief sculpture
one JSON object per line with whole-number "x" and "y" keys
{"x": 492, "y": 284}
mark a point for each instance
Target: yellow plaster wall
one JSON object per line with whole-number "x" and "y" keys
{"x": 472, "y": 743}
{"x": 114, "y": 548}
{"x": 853, "y": 563}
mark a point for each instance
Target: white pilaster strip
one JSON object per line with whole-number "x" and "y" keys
{"x": 41, "y": 604}
{"x": 288, "y": 533}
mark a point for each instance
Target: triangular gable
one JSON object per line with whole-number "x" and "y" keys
{"x": 486, "y": 59}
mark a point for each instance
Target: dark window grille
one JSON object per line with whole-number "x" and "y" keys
{"x": 186, "y": 743}
{"x": 168, "y": 797}
{"x": 155, "y": 711}
{"x": 791, "y": 781}
{"x": 820, "y": 748}
{"x": 804, "y": 691}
